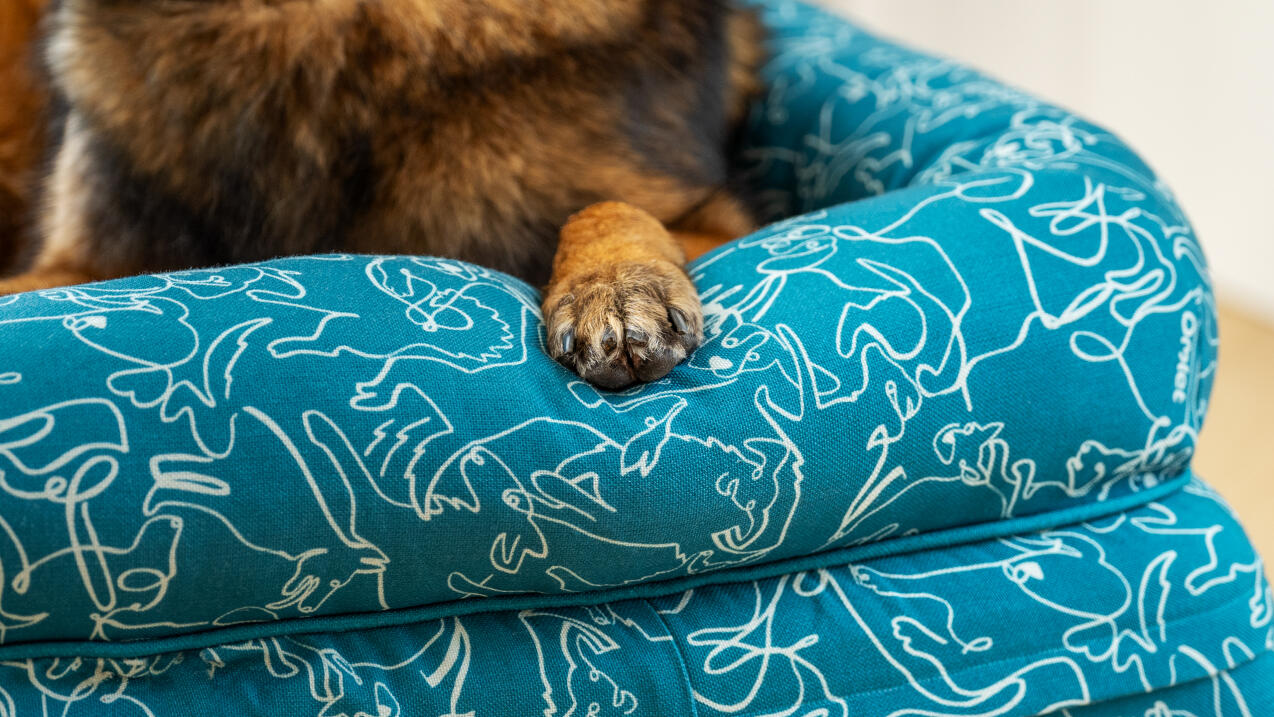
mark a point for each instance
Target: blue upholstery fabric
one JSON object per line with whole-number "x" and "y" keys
{"x": 1166, "y": 594}
{"x": 932, "y": 459}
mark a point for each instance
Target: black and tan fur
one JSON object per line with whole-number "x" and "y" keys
{"x": 21, "y": 126}
{"x": 553, "y": 139}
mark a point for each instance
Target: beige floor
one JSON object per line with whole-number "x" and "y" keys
{"x": 1236, "y": 448}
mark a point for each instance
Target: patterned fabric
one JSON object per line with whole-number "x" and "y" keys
{"x": 1168, "y": 594}
{"x": 1009, "y": 329}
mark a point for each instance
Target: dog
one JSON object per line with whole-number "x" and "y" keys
{"x": 582, "y": 145}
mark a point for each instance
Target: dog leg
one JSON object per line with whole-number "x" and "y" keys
{"x": 64, "y": 257}
{"x": 36, "y": 281}
{"x": 620, "y": 307}
{"x": 720, "y": 219}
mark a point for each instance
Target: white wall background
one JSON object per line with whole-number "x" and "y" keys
{"x": 1189, "y": 85}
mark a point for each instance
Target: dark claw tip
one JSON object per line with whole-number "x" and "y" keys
{"x": 636, "y": 336}
{"x": 608, "y": 339}
{"x": 568, "y": 341}
{"x": 679, "y": 320}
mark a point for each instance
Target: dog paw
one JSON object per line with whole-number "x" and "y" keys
{"x": 624, "y": 324}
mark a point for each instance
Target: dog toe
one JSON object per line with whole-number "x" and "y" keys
{"x": 628, "y": 326}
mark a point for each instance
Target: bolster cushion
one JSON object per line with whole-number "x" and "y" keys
{"x": 975, "y": 314}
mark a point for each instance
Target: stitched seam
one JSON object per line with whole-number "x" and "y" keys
{"x": 681, "y": 660}
{"x": 951, "y": 537}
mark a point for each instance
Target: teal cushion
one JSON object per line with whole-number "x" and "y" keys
{"x": 1168, "y": 594}
{"x": 982, "y": 319}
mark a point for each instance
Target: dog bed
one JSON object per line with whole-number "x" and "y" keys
{"x": 932, "y": 459}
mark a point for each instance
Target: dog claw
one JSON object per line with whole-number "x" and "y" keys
{"x": 679, "y": 320}
{"x": 618, "y": 329}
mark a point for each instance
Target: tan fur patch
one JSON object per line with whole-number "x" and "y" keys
{"x": 620, "y": 308}
{"x": 21, "y": 116}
